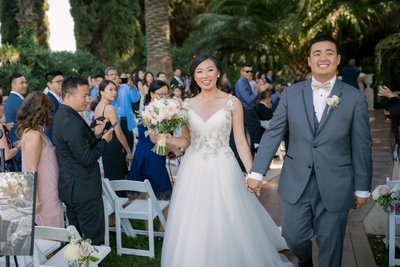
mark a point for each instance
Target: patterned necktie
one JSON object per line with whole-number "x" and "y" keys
{"x": 315, "y": 85}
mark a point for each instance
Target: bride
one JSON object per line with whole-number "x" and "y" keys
{"x": 213, "y": 221}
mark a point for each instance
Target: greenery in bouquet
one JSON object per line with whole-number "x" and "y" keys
{"x": 79, "y": 252}
{"x": 387, "y": 199}
{"x": 163, "y": 116}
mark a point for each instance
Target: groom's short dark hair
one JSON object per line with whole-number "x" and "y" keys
{"x": 322, "y": 38}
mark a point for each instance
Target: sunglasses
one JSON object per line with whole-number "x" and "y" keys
{"x": 248, "y": 71}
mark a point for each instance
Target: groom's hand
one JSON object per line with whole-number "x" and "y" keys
{"x": 253, "y": 185}
{"x": 360, "y": 202}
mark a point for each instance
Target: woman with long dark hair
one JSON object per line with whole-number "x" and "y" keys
{"x": 118, "y": 151}
{"x": 38, "y": 155}
{"x": 213, "y": 220}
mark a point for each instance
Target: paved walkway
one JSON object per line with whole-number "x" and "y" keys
{"x": 357, "y": 251}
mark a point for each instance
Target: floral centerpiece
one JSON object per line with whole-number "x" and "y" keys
{"x": 79, "y": 252}
{"x": 163, "y": 116}
{"x": 387, "y": 199}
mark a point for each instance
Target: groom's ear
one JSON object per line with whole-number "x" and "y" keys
{"x": 339, "y": 58}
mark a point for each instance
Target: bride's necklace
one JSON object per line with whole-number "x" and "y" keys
{"x": 215, "y": 96}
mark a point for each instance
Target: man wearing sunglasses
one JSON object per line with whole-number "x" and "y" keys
{"x": 247, "y": 97}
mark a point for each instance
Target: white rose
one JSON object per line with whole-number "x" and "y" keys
{"x": 86, "y": 249}
{"x": 71, "y": 252}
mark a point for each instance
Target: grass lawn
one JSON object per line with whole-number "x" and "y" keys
{"x": 381, "y": 253}
{"x": 140, "y": 242}
{"x": 112, "y": 260}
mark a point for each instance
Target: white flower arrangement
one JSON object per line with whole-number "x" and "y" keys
{"x": 333, "y": 102}
{"x": 79, "y": 252}
{"x": 163, "y": 116}
{"x": 387, "y": 199}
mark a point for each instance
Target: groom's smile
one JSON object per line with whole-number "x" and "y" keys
{"x": 323, "y": 60}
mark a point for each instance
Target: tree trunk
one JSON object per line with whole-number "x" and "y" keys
{"x": 158, "y": 37}
{"x": 298, "y": 70}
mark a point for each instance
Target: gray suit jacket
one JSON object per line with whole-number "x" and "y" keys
{"x": 339, "y": 150}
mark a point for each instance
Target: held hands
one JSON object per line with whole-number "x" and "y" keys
{"x": 253, "y": 186}
{"x": 360, "y": 202}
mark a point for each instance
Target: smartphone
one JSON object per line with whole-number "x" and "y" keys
{"x": 101, "y": 118}
{"x": 124, "y": 80}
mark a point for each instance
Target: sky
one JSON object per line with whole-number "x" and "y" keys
{"x": 61, "y": 26}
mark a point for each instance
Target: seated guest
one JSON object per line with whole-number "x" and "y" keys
{"x": 5, "y": 142}
{"x": 38, "y": 155}
{"x": 147, "y": 164}
{"x": 264, "y": 108}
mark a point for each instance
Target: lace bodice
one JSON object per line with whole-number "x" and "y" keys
{"x": 211, "y": 137}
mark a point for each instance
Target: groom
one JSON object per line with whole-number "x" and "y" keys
{"x": 328, "y": 165}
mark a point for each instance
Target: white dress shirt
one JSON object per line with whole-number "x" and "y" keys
{"x": 319, "y": 99}
{"x": 18, "y": 94}
{"x": 55, "y": 95}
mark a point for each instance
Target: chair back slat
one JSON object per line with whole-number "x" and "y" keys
{"x": 55, "y": 233}
{"x": 127, "y": 185}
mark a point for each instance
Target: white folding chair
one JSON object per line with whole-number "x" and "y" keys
{"x": 141, "y": 209}
{"x": 108, "y": 202}
{"x": 61, "y": 235}
{"x": 394, "y": 219}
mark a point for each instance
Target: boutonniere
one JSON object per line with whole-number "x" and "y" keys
{"x": 333, "y": 102}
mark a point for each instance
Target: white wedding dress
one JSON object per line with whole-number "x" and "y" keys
{"x": 213, "y": 220}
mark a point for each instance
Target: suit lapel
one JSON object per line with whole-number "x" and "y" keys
{"x": 336, "y": 90}
{"x": 308, "y": 104}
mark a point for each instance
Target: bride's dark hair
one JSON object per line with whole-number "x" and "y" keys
{"x": 194, "y": 87}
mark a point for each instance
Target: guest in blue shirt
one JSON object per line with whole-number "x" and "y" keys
{"x": 248, "y": 97}
{"x": 123, "y": 104}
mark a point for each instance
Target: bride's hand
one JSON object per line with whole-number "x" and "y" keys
{"x": 253, "y": 185}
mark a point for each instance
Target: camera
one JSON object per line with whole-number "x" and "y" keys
{"x": 123, "y": 80}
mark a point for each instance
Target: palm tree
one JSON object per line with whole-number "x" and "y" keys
{"x": 158, "y": 36}
{"x": 239, "y": 29}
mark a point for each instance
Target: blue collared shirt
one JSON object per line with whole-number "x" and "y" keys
{"x": 123, "y": 103}
{"x": 244, "y": 93}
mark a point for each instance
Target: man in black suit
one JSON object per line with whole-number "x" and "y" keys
{"x": 78, "y": 148}
{"x": 54, "y": 79}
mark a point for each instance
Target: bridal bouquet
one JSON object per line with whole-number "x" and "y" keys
{"x": 78, "y": 252}
{"x": 387, "y": 199}
{"x": 163, "y": 116}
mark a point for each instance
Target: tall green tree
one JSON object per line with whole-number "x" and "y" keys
{"x": 258, "y": 30}
{"x": 32, "y": 14}
{"x": 9, "y": 25}
{"x": 110, "y": 30}
{"x": 18, "y": 16}
{"x": 158, "y": 36}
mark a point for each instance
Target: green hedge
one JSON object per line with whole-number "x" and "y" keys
{"x": 34, "y": 61}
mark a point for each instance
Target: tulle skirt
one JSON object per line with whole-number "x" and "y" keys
{"x": 214, "y": 221}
